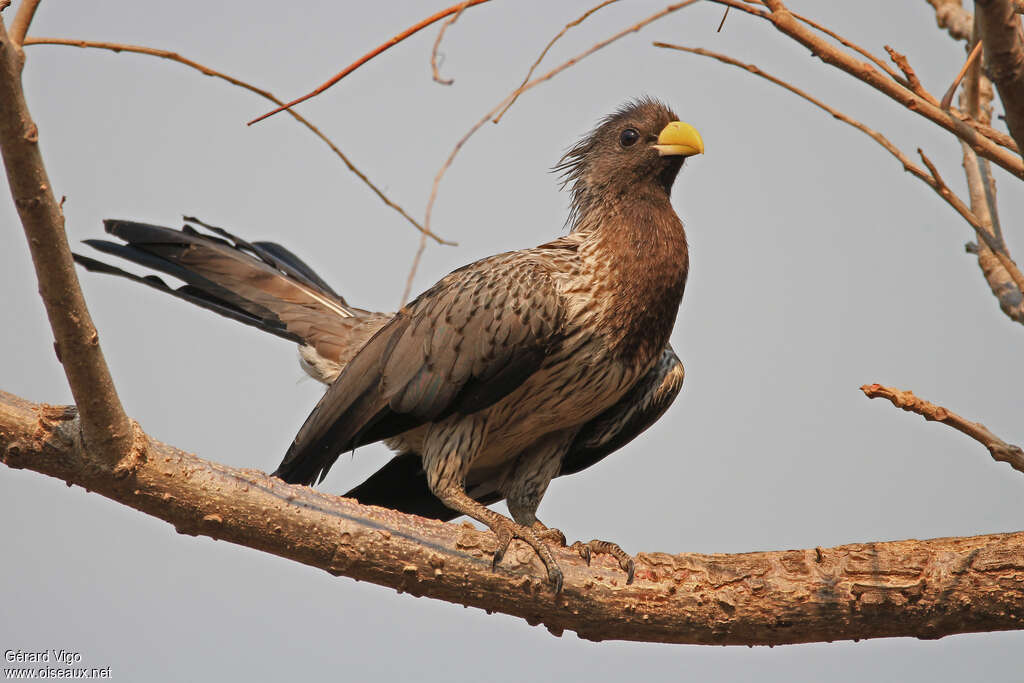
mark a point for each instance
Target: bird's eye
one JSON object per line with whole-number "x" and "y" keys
{"x": 629, "y": 137}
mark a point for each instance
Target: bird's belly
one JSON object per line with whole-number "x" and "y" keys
{"x": 563, "y": 395}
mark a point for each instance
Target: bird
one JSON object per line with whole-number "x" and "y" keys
{"x": 508, "y": 372}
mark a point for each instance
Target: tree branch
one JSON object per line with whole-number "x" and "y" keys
{"x": 22, "y": 20}
{"x": 418, "y": 26}
{"x": 950, "y": 15}
{"x": 925, "y": 589}
{"x": 266, "y": 94}
{"x": 788, "y": 24}
{"x": 105, "y": 426}
{"x": 999, "y": 449}
{"x": 932, "y": 177}
{"x": 1000, "y": 30}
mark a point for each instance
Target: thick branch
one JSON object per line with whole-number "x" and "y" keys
{"x": 925, "y": 589}
{"x": 105, "y": 426}
{"x": 1000, "y": 30}
{"x": 788, "y": 24}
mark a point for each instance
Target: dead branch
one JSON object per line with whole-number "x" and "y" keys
{"x": 910, "y": 76}
{"x": 789, "y": 25}
{"x": 434, "y": 66}
{"x": 418, "y": 26}
{"x": 266, "y": 94}
{"x": 105, "y": 426}
{"x": 999, "y": 28}
{"x": 558, "y": 36}
{"x": 999, "y": 449}
{"x": 924, "y": 589}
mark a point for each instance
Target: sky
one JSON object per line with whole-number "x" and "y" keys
{"x": 817, "y": 265}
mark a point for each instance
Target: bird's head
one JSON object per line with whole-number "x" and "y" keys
{"x": 634, "y": 152}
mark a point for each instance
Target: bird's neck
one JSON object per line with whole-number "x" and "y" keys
{"x": 637, "y": 250}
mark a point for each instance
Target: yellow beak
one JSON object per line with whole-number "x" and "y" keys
{"x": 679, "y": 139}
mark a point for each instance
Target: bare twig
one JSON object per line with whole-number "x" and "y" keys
{"x": 926, "y": 589}
{"x": 434, "y": 67}
{"x": 511, "y": 97}
{"x": 22, "y": 20}
{"x": 913, "y": 82}
{"x": 418, "y": 26}
{"x": 999, "y": 449}
{"x": 420, "y": 248}
{"x": 575, "y": 22}
{"x": 722, "y": 23}
{"x": 105, "y": 427}
{"x": 788, "y": 24}
{"x": 535, "y": 82}
{"x": 175, "y": 57}
{"x": 947, "y": 99}
{"x": 996, "y": 245}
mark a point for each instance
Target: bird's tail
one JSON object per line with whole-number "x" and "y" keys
{"x": 261, "y": 284}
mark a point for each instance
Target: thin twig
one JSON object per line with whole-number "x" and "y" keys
{"x": 22, "y": 20}
{"x": 999, "y": 449}
{"x": 106, "y": 429}
{"x": 947, "y": 99}
{"x": 535, "y": 82}
{"x": 418, "y": 26}
{"x": 913, "y": 82}
{"x": 515, "y": 93}
{"x": 175, "y": 57}
{"x": 575, "y": 22}
{"x": 724, "y": 16}
{"x": 434, "y": 67}
{"x": 420, "y": 248}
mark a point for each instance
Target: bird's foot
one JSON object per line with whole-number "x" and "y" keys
{"x": 506, "y": 530}
{"x": 606, "y": 548}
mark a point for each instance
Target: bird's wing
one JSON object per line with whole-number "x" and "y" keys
{"x": 402, "y": 485}
{"x": 260, "y": 283}
{"x": 637, "y": 410}
{"x": 460, "y": 347}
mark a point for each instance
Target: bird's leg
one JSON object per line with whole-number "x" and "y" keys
{"x": 504, "y": 528}
{"x": 450, "y": 448}
{"x": 526, "y": 486}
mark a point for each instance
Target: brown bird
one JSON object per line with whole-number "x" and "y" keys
{"x": 508, "y": 372}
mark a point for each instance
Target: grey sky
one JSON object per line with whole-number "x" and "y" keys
{"x": 818, "y": 265}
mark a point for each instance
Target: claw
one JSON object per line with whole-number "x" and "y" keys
{"x": 608, "y": 548}
{"x": 555, "y": 577}
{"x": 504, "y": 538}
{"x": 583, "y": 549}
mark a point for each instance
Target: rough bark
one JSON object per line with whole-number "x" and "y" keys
{"x": 1000, "y": 31}
{"x": 106, "y": 427}
{"x": 925, "y": 589}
